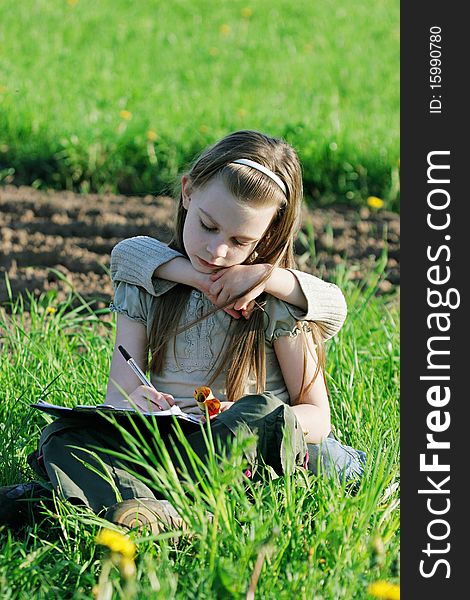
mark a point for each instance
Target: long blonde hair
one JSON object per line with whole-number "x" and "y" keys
{"x": 245, "y": 351}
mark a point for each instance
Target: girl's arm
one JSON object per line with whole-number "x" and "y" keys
{"x": 321, "y": 302}
{"x": 314, "y": 412}
{"x": 282, "y": 284}
{"x": 152, "y": 265}
{"x": 317, "y": 300}
{"x": 133, "y": 336}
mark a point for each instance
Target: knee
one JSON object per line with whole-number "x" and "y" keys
{"x": 252, "y": 408}
{"x": 266, "y": 400}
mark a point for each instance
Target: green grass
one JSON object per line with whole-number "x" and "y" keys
{"x": 312, "y": 538}
{"x": 324, "y": 75}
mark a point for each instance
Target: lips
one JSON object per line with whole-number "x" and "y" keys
{"x": 204, "y": 263}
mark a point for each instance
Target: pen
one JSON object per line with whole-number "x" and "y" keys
{"x": 141, "y": 375}
{"x": 138, "y": 371}
{"x": 135, "y": 367}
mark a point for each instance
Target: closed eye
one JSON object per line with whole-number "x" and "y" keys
{"x": 235, "y": 241}
{"x": 204, "y": 226}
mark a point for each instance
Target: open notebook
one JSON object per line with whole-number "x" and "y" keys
{"x": 81, "y": 410}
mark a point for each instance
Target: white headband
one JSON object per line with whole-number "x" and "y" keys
{"x": 263, "y": 169}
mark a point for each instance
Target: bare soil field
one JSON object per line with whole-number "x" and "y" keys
{"x": 74, "y": 234}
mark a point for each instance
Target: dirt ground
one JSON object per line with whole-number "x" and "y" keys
{"x": 74, "y": 234}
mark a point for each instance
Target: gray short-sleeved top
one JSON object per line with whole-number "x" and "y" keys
{"x": 198, "y": 348}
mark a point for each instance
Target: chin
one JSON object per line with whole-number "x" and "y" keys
{"x": 198, "y": 267}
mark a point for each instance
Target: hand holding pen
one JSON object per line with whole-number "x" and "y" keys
{"x": 146, "y": 394}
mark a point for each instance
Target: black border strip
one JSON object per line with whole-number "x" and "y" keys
{"x": 435, "y": 205}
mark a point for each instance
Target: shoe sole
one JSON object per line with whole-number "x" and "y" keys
{"x": 141, "y": 514}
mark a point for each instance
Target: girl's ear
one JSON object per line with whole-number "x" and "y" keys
{"x": 185, "y": 191}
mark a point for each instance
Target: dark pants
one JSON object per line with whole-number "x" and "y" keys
{"x": 279, "y": 448}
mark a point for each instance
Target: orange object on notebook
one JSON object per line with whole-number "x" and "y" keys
{"x": 206, "y": 399}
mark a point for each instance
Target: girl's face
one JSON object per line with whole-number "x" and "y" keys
{"x": 219, "y": 231}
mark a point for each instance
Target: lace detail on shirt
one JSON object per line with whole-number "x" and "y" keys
{"x": 197, "y": 354}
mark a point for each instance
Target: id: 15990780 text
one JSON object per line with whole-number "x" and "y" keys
{"x": 435, "y": 69}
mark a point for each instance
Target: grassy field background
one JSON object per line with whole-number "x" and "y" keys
{"x": 305, "y": 537}
{"x": 118, "y": 95}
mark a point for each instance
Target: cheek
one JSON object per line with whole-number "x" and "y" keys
{"x": 241, "y": 254}
{"x": 192, "y": 236}
{"x": 187, "y": 236}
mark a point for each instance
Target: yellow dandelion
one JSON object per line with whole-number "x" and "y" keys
{"x": 384, "y": 590}
{"x": 152, "y": 136}
{"x": 246, "y": 12}
{"x": 50, "y": 310}
{"x": 126, "y": 115}
{"x": 224, "y": 29}
{"x": 213, "y": 51}
{"x": 116, "y": 542}
{"x": 375, "y": 202}
{"x": 203, "y": 129}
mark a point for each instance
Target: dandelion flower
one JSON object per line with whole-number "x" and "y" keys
{"x": 224, "y": 29}
{"x": 152, "y": 136}
{"x": 375, "y": 202}
{"x": 246, "y": 12}
{"x": 116, "y": 542}
{"x": 50, "y": 310}
{"x": 125, "y": 114}
{"x": 384, "y": 590}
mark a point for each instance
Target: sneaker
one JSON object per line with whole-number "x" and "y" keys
{"x": 145, "y": 513}
{"x": 19, "y": 503}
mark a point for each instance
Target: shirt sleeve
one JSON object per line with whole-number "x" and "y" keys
{"x": 326, "y": 304}
{"x": 135, "y": 259}
{"x": 280, "y": 320}
{"x": 131, "y": 301}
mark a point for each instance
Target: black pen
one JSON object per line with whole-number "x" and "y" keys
{"x": 135, "y": 367}
{"x": 138, "y": 371}
{"x": 175, "y": 409}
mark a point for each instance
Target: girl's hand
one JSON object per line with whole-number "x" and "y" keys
{"x": 204, "y": 283}
{"x": 232, "y": 281}
{"x": 224, "y": 406}
{"x": 180, "y": 269}
{"x": 147, "y": 399}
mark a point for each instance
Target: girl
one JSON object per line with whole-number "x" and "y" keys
{"x": 238, "y": 214}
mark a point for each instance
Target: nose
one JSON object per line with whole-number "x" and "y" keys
{"x": 217, "y": 249}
